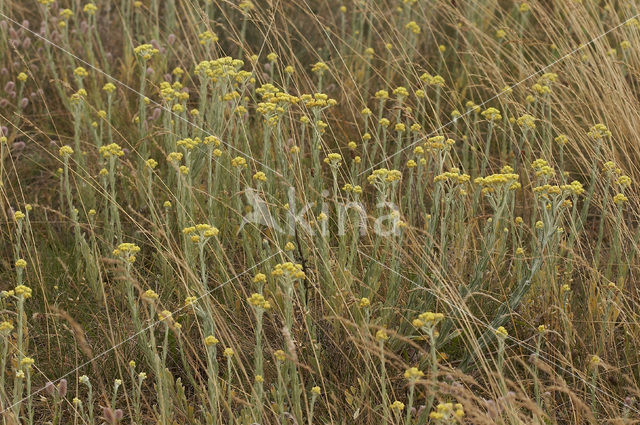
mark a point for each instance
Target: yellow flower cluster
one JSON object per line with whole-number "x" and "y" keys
{"x": 201, "y": 232}
{"x": 498, "y": 181}
{"x": 413, "y": 374}
{"x": 239, "y": 162}
{"x": 109, "y": 88}
{"x": 599, "y": 132}
{"x": 546, "y": 190}
{"x": 110, "y": 150}
{"x": 542, "y": 168}
{"x": 149, "y": 295}
{"x": 27, "y": 362}
{"x": 145, "y": 51}
{"x": 90, "y": 9}
{"x": 413, "y": 27}
{"x": 189, "y": 143}
{"x": 78, "y": 96}
{"x": 175, "y": 157}
{"x": 381, "y": 335}
{"x": 447, "y": 412}
{"x": 5, "y": 327}
{"x": 400, "y": 92}
{"x": 382, "y": 94}
{"x": 22, "y": 290}
{"x": 334, "y": 160}
{"x": 620, "y": 199}
{"x": 436, "y": 80}
{"x": 352, "y": 188}
{"x": 526, "y": 121}
{"x": 260, "y": 176}
{"x": 257, "y": 300}
{"x": 259, "y": 278}
{"x": 383, "y": 176}
{"x": 80, "y": 72}
{"x": 491, "y": 114}
{"x": 65, "y": 151}
{"x": 210, "y": 341}
{"x": 318, "y": 100}
{"x": 319, "y": 68}
{"x": 624, "y": 181}
{"x": 501, "y": 332}
{"x": 127, "y": 250}
{"x": 288, "y": 270}
{"x": 223, "y": 69}
{"x": 548, "y": 78}
{"x": 540, "y": 89}
{"x": 207, "y": 37}
{"x": 164, "y": 315}
{"x": 427, "y": 319}
{"x": 438, "y": 143}
{"x": 561, "y": 139}
{"x": 453, "y": 175}
{"x": 397, "y": 405}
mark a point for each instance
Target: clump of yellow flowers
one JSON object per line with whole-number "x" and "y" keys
{"x": 427, "y": 319}
{"x": 288, "y": 270}
{"x": 447, "y": 412}
{"x": 498, "y": 182}
{"x": 111, "y": 150}
{"x": 599, "y": 132}
{"x": 145, "y": 51}
{"x": 127, "y": 251}
{"x": 383, "y": 175}
{"x": 200, "y": 232}
{"x": 258, "y": 301}
{"x": 413, "y": 374}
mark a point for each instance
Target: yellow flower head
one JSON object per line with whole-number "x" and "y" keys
{"x": 289, "y": 271}
{"x": 599, "y": 132}
{"x": 382, "y": 335}
{"x": 65, "y": 151}
{"x": 145, "y": 51}
{"x": 258, "y": 300}
{"x": 211, "y": 341}
{"x": 260, "y": 176}
{"x": 27, "y": 362}
{"x": 80, "y": 72}
{"x": 5, "y": 327}
{"x": 22, "y": 290}
{"x": 413, "y": 27}
{"x": 239, "y": 162}
{"x": 111, "y": 150}
{"x": 319, "y": 68}
{"x": 149, "y": 295}
{"x": 90, "y": 9}
{"x": 334, "y": 160}
{"x": 501, "y": 332}
{"x": 413, "y": 374}
{"x": 397, "y": 405}
{"x": 491, "y": 114}
{"x": 164, "y": 315}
